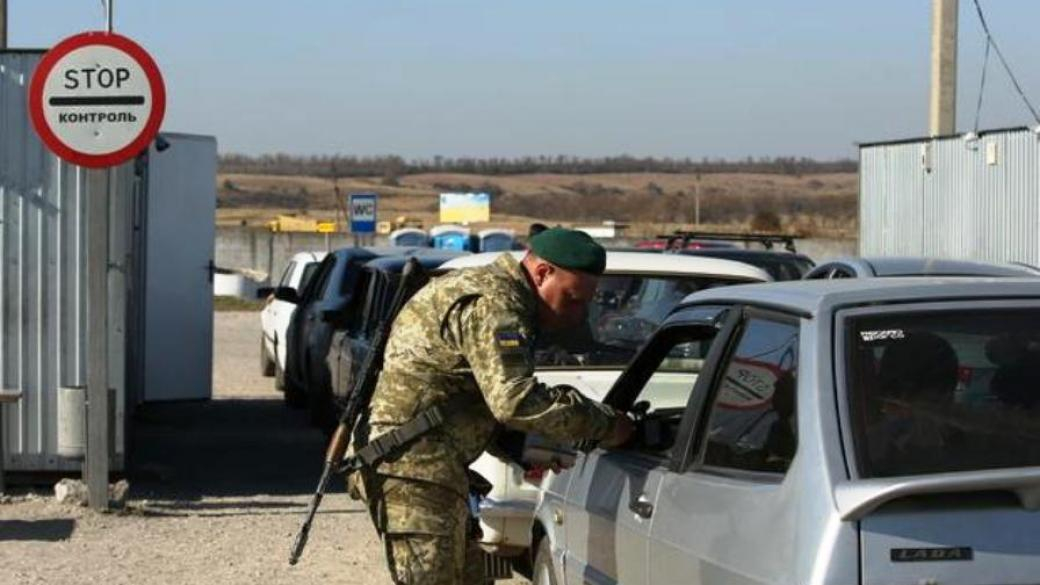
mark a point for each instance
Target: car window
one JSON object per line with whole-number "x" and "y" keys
{"x": 373, "y": 301}
{"x": 820, "y": 272}
{"x": 752, "y": 418}
{"x": 661, "y": 382}
{"x": 321, "y": 276}
{"x": 355, "y": 314}
{"x": 843, "y": 272}
{"x": 308, "y": 272}
{"x": 287, "y": 274}
{"x": 944, "y": 391}
{"x": 624, "y": 313}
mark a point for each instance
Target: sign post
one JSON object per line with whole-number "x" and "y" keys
{"x": 362, "y": 215}
{"x": 97, "y": 100}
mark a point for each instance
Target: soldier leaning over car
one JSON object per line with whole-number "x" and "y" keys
{"x": 465, "y": 342}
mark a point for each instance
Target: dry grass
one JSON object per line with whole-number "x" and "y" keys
{"x": 823, "y": 204}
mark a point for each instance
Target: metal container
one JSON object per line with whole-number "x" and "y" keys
{"x": 971, "y": 197}
{"x": 42, "y": 281}
{"x": 72, "y": 421}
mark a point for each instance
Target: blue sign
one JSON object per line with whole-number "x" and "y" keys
{"x": 363, "y": 213}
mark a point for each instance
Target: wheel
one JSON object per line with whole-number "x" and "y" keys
{"x": 267, "y": 365}
{"x": 294, "y": 396}
{"x": 544, "y": 573}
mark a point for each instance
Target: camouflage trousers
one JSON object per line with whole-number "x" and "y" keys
{"x": 424, "y": 528}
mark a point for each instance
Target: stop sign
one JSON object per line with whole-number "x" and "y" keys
{"x": 97, "y": 99}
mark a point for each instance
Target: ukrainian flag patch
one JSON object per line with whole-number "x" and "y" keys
{"x": 509, "y": 339}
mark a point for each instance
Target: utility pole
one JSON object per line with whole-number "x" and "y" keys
{"x": 942, "y": 119}
{"x": 3, "y": 24}
{"x": 100, "y": 183}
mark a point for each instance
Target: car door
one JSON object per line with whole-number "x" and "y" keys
{"x": 367, "y": 320}
{"x": 343, "y": 356}
{"x": 269, "y": 317}
{"x": 724, "y": 515}
{"x": 611, "y": 491}
{"x": 302, "y": 322}
{"x": 280, "y": 314}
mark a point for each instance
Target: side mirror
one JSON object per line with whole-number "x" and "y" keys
{"x": 287, "y": 294}
{"x": 264, "y": 292}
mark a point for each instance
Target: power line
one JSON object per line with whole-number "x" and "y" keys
{"x": 982, "y": 87}
{"x": 991, "y": 42}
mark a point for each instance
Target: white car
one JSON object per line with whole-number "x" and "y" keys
{"x": 276, "y": 314}
{"x": 635, "y": 294}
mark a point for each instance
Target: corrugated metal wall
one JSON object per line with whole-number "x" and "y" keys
{"x": 953, "y": 198}
{"x": 42, "y": 279}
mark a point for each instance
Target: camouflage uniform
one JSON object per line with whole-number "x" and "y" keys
{"x": 469, "y": 332}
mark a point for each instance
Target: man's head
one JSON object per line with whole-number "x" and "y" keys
{"x": 535, "y": 229}
{"x": 564, "y": 267}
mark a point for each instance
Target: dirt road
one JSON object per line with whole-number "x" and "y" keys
{"x": 218, "y": 500}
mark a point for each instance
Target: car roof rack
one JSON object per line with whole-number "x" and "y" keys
{"x": 765, "y": 238}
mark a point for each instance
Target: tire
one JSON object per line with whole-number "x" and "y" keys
{"x": 544, "y": 572}
{"x": 322, "y": 414}
{"x": 267, "y": 365}
{"x": 293, "y": 395}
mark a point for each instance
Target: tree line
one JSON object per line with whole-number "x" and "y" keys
{"x": 391, "y": 167}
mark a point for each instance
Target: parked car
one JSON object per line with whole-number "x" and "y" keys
{"x": 325, "y": 300}
{"x": 780, "y": 265}
{"x": 634, "y": 296}
{"x": 276, "y": 314}
{"x": 817, "y": 432}
{"x": 854, "y": 267}
{"x": 354, "y": 329}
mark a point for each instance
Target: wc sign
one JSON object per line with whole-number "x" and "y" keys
{"x": 363, "y": 213}
{"x": 97, "y": 99}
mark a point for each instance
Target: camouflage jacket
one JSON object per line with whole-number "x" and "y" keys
{"x": 471, "y": 332}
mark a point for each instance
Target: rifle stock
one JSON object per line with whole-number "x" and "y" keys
{"x": 413, "y": 277}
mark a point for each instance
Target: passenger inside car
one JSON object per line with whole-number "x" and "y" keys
{"x": 917, "y": 378}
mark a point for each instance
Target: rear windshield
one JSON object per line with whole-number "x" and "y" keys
{"x": 942, "y": 392}
{"x": 626, "y": 310}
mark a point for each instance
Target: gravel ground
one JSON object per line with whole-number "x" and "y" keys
{"x": 220, "y": 491}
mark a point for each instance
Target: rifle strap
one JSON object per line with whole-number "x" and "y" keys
{"x": 391, "y": 442}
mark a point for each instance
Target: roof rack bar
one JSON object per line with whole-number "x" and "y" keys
{"x": 766, "y": 239}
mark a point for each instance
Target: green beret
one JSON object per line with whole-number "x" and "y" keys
{"x": 570, "y": 249}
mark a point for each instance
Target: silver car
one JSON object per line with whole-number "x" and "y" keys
{"x": 889, "y": 266}
{"x": 817, "y": 432}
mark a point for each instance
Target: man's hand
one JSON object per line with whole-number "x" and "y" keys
{"x": 623, "y": 429}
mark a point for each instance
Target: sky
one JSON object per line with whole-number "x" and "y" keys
{"x": 680, "y": 78}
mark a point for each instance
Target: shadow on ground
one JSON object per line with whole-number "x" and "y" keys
{"x": 224, "y": 448}
{"x": 46, "y": 530}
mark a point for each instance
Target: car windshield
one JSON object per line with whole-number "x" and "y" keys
{"x": 625, "y": 311}
{"x": 945, "y": 391}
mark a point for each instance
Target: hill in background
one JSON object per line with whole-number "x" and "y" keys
{"x": 798, "y": 196}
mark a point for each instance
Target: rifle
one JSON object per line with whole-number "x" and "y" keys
{"x": 413, "y": 277}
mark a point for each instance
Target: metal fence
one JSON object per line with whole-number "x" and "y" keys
{"x": 954, "y": 197}
{"x": 42, "y": 281}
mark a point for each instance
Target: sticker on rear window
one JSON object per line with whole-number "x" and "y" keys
{"x": 882, "y": 335}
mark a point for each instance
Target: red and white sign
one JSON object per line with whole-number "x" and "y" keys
{"x": 97, "y": 99}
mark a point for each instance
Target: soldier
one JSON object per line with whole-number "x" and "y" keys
{"x": 465, "y": 342}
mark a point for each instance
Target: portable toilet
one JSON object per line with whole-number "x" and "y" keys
{"x": 496, "y": 240}
{"x": 450, "y": 237}
{"x": 412, "y": 237}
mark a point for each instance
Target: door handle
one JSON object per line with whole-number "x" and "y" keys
{"x": 641, "y": 506}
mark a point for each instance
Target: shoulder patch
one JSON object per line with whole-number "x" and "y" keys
{"x": 509, "y": 339}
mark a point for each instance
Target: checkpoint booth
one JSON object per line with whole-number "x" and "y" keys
{"x": 411, "y": 237}
{"x": 496, "y": 240}
{"x": 451, "y": 237}
{"x": 156, "y": 262}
